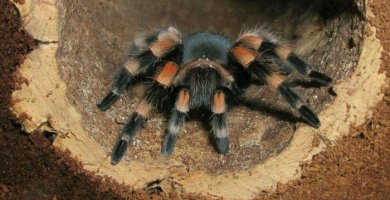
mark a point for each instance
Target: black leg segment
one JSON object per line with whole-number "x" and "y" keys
{"x": 298, "y": 64}
{"x": 157, "y": 95}
{"x": 118, "y": 151}
{"x": 302, "y": 68}
{"x": 176, "y": 121}
{"x": 127, "y": 134}
{"x": 320, "y": 78}
{"x": 309, "y": 116}
{"x": 290, "y": 96}
{"x": 219, "y": 126}
{"x": 120, "y": 84}
{"x": 295, "y": 101}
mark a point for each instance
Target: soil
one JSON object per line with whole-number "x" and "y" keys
{"x": 30, "y": 168}
{"x": 358, "y": 167}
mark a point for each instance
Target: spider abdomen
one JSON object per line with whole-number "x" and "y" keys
{"x": 206, "y": 45}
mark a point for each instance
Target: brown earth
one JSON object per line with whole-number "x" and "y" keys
{"x": 358, "y": 167}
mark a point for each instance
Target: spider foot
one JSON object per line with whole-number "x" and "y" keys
{"x": 168, "y": 144}
{"x": 122, "y": 81}
{"x": 222, "y": 145}
{"x": 119, "y": 151}
{"x": 295, "y": 101}
{"x": 320, "y": 78}
{"x": 309, "y": 116}
{"x": 107, "y": 102}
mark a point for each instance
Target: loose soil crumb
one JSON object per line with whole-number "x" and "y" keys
{"x": 358, "y": 167}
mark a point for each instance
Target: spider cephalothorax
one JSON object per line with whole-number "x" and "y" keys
{"x": 204, "y": 71}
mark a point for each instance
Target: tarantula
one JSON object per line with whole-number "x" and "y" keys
{"x": 204, "y": 71}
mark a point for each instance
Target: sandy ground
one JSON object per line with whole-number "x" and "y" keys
{"x": 358, "y": 167}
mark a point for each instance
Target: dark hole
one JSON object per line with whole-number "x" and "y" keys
{"x": 351, "y": 43}
{"x": 330, "y": 9}
{"x": 50, "y": 136}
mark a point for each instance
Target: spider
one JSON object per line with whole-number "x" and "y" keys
{"x": 204, "y": 71}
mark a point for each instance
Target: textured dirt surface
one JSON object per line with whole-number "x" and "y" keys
{"x": 356, "y": 168}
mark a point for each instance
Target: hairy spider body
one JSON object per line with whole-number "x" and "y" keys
{"x": 204, "y": 71}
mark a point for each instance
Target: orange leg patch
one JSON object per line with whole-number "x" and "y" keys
{"x": 243, "y": 56}
{"x": 169, "y": 37}
{"x": 219, "y": 104}
{"x": 183, "y": 100}
{"x": 132, "y": 66}
{"x": 167, "y": 74}
{"x": 161, "y": 47}
{"x": 275, "y": 80}
{"x": 283, "y": 52}
{"x": 251, "y": 41}
{"x": 144, "y": 108}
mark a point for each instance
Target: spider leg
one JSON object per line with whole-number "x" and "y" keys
{"x": 157, "y": 94}
{"x": 270, "y": 73}
{"x": 296, "y": 102}
{"x": 268, "y": 46}
{"x": 302, "y": 68}
{"x": 147, "y": 50}
{"x": 129, "y": 130}
{"x": 218, "y": 122}
{"x": 176, "y": 121}
{"x": 119, "y": 86}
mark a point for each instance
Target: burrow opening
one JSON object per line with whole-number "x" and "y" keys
{"x": 94, "y": 41}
